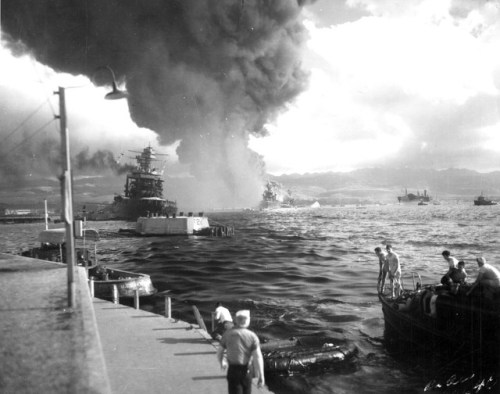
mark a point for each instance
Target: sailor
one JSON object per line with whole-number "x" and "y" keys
{"x": 394, "y": 271}
{"x": 383, "y": 269}
{"x": 452, "y": 261}
{"x": 488, "y": 277}
{"x": 243, "y": 348}
{"x": 223, "y": 319}
{"x": 459, "y": 275}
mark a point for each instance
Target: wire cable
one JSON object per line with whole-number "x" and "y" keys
{"x": 30, "y": 137}
{"x": 26, "y": 119}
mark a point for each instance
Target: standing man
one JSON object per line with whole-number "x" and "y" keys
{"x": 394, "y": 270}
{"x": 242, "y": 346}
{"x": 223, "y": 319}
{"x": 488, "y": 277}
{"x": 383, "y": 269}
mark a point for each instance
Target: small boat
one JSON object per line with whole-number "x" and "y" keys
{"x": 482, "y": 200}
{"x": 422, "y": 203}
{"x": 304, "y": 354}
{"x": 445, "y": 318}
{"x": 106, "y": 281}
{"x": 53, "y": 245}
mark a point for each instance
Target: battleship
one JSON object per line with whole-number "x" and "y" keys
{"x": 273, "y": 197}
{"x": 143, "y": 194}
{"x": 409, "y": 197}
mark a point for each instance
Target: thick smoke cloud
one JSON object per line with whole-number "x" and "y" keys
{"x": 206, "y": 72}
{"x": 99, "y": 160}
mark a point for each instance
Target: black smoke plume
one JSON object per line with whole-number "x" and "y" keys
{"x": 206, "y": 72}
{"x": 100, "y": 160}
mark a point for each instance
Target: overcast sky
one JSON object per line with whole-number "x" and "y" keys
{"x": 394, "y": 83}
{"x": 391, "y": 83}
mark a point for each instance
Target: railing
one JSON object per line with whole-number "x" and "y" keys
{"x": 416, "y": 285}
{"x": 168, "y": 303}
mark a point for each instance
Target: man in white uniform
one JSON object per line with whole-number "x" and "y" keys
{"x": 242, "y": 348}
{"x": 223, "y": 319}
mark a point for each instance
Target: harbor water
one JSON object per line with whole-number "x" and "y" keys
{"x": 307, "y": 272}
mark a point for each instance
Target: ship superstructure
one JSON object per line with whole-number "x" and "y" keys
{"x": 143, "y": 193}
{"x": 144, "y": 188}
{"x": 274, "y": 196}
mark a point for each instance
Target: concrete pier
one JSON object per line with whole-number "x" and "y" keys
{"x": 98, "y": 346}
{"x": 44, "y": 346}
{"x": 149, "y": 353}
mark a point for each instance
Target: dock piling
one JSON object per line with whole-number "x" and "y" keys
{"x": 136, "y": 299}
{"x": 168, "y": 307}
{"x": 115, "y": 295}
{"x": 91, "y": 287}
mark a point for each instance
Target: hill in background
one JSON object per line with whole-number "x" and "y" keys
{"x": 366, "y": 186}
{"x": 376, "y": 185}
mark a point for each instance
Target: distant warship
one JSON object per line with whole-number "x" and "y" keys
{"x": 275, "y": 197}
{"x": 143, "y": 195}
{"x": 408, "y": 197}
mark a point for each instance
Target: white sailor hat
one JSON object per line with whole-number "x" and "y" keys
{"x": 243, "y": 318}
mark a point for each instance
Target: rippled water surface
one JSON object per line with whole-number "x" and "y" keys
{"x": 305, "y": 272}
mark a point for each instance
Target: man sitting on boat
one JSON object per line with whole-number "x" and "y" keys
{"x": 456, "y": 275}
{"x": 488, "y": 278}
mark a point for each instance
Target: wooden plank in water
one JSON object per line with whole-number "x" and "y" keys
{"x": 199, "y": 319}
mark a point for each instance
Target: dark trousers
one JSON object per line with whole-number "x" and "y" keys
{"x": 239, "y": 379}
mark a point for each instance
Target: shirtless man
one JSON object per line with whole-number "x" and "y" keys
{"x": 394, "y": 271}
{"x": 452, "y": 261}
{"x": 488, "y": 277}
{"x": 383, "y": 269}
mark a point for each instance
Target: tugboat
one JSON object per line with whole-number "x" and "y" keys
{"x": 482, "y": 200}
{"x": 408, "y": 197}
{"x": 143, "y": 195}
{"x": 274, "y": 197}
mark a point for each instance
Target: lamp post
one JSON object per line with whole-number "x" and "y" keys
{"x": 67, "y": 186}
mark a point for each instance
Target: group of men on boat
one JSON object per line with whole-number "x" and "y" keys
{"x": 488, "y": 277}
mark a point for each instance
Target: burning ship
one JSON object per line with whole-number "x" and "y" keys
{"x": 143, "y": 194}
{"x": 274, "y": 197}
{"x": 408, "y": 197}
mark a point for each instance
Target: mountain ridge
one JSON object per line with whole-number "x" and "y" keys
{"x": 363, "y": 186}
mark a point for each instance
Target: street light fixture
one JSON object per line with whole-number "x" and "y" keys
{"x": 66, "y": 183}
{"x": 116, "y": 93}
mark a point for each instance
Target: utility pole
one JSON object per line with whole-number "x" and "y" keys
{"x": 67, "y": 198}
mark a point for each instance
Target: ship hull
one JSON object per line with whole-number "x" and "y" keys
{"x": 442, "y": 321}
